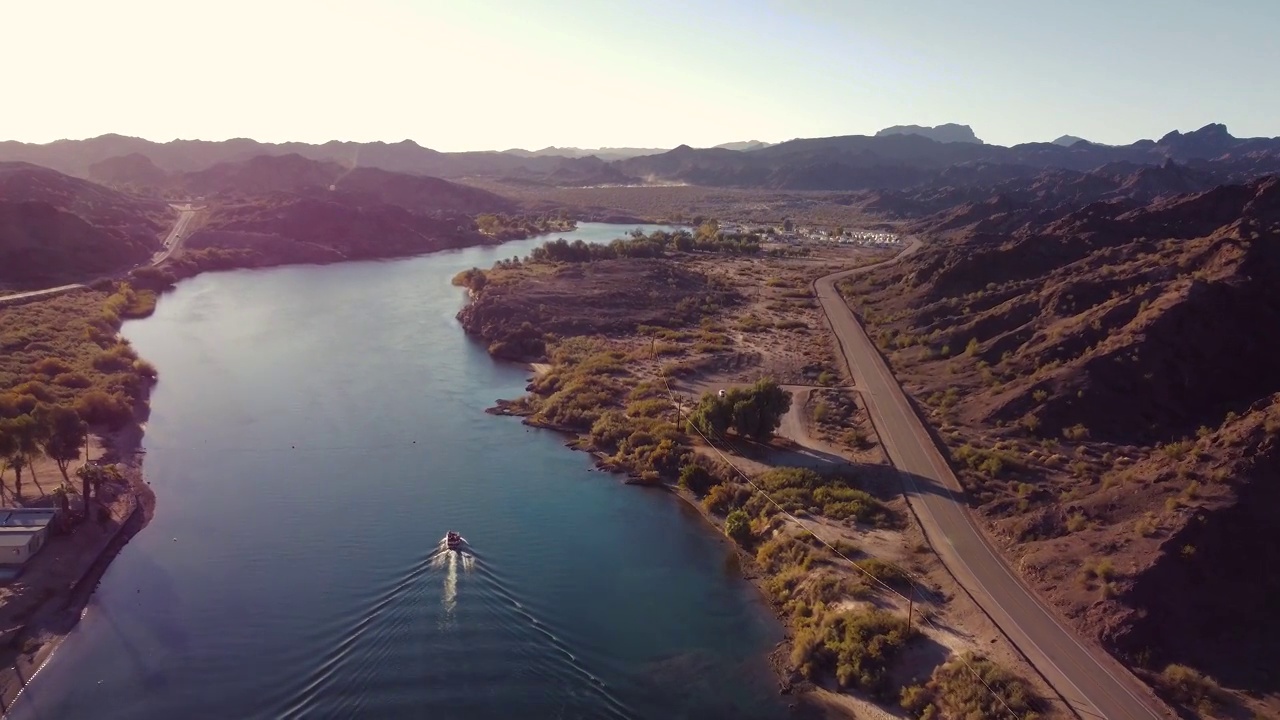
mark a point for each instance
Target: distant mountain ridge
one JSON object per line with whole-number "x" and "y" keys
{"x": 894, "y": 159}
{"x": 604, "y": 153}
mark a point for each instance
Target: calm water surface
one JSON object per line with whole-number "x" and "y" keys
{"x": 315, "y": 432}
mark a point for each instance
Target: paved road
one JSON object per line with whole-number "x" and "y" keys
{"x": 176, "y": 235}
{"x": 1094, "y": 683}
{"x": 171, "y": 243}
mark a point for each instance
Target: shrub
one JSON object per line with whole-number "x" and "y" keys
{"x": 968, "y": 686}
{"x": 719, "y": 499}
{"x": 737, "y": 525}
{"x": 1190, "y": 688}
{"x": 76, "y": 380}
{"x": 885, "y": 572}
{"x": 115, "y": 359}
{"x": 1177, "y": 450}
{"x": 783, "y": 551}
{"x": 1077, "y": 522}
{"x": 696, "y": 479}
{"x": 856, "y": 646}
{"x": 473, "y": 279}
{"x": 650, "y": 408}
{"x": 145, "y": 369}
{"x": 52, "y": 366}
{"x": 1076, "y": 432}
{"x": 801, "y": 488}
{"x": 820, "y": 411}
{"x": 99, "y": 408}
{"x": 854, "y": 438}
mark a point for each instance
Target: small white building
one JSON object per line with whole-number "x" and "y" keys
{"x": 23, "y": 532}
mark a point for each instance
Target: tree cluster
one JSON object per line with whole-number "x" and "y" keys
{"x": 54, "y": 431}
{"x": 504, "y": 226}
{"x": 707, "y": 238}
{"x": 755, "y": 412}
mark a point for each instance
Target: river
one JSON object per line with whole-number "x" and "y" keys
{"x": 315, "y": 432}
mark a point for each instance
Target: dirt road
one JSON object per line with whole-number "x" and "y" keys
{"x": 1093, "y": 683}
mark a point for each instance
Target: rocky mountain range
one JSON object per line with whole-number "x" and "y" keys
{"x": 895, "y": 159}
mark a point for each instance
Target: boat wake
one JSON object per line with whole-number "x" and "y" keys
{"x": 546, "y": 653}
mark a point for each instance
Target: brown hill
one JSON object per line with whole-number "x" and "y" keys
{"x": 261, "y": 175}
{"x": 55, "y": 228}
{"x": 291, "y": 229}
{"x": 1105, "y": 380}
{"x": 133, "y": 171}
{"x": 362, "y": 186}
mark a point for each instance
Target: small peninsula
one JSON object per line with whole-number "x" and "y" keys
{"x": 697, "y": 361}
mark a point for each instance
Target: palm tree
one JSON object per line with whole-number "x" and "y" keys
{"x": 8, "y": 447}
{"x": 20, "y": 444}
{"x": 31, "y": 434}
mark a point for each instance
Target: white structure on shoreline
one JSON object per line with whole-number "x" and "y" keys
{"x": 23, "y": 532}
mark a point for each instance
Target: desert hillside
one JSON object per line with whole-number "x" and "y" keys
{"x": 1104, "y": 377}
{"x": 56, "y": 228}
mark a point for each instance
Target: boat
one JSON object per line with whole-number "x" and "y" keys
{"x": 453, "y": 540}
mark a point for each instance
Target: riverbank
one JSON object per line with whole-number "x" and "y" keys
{"x": 836, "y": 568}
{"x": 50, "y": 597}
{"x": 65, "y": 353}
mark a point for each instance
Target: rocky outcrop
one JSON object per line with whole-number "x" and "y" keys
{"x": 945, "y": 133}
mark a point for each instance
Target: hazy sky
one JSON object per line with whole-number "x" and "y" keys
{"x": 468, "y": 74}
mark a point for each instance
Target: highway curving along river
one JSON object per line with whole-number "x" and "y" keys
{"x": 1094, "y": 684}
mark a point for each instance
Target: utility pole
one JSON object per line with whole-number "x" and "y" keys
{"x": 911, "y": 603}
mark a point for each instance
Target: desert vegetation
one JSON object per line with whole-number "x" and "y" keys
{"x": 622, "y": 330}
{"x": 63, "y": 371}
{"x": 504, "y": 226}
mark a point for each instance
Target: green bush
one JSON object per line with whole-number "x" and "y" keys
{"x": 720, "y": 499}
{"x": 754, "y": 412}
{"x": 858, "y": 647}
{"x": 737, "y": 525}
{"x": 885, "y": 572}
{"x": 834, "y": 496}
{"x": 696, "y": 479}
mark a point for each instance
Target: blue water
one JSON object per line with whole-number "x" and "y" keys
{"x": 315, "y": 432}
